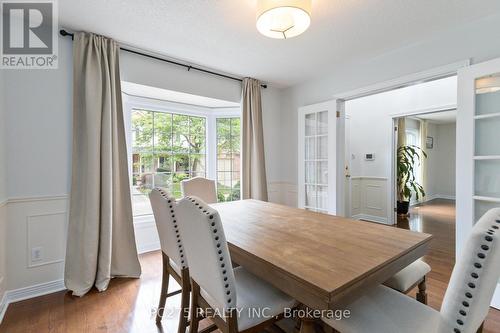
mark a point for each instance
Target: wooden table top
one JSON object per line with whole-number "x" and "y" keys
{"x": 316, "y": 258}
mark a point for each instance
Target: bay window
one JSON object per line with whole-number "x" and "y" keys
{"x": 169, "y": 142}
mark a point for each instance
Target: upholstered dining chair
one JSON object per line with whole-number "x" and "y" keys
{"x": 465, "y": 304}
{"x": 173, "y": 256}
{"x": 200, "y": 187}
{"x": 231, "y": 294}
{"x": 411, "y": 276}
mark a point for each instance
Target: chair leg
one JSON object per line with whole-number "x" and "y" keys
{"x": 164, "y": 288}
{"x": 195, "y": 317}
{"x": 184, "y": 315}
{"x": 298, "y": 323}
{"x": 422, "y": 294}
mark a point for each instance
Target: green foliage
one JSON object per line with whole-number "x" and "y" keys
{"x": 170, "y": 135}
{"x": 168, "y": 148}
{"x": 228, "y": 135}
{"x": 407, "y": 158}
{"x": 226, "y": 193}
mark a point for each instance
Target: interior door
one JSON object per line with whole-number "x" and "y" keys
{"x": 478, "y": 151}
{"x": 317, "y": 157}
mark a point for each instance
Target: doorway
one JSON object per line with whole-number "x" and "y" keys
{"x": 369, "y": 162}
{"x": 425, "y": 163}
{"x": 428, "y": 139}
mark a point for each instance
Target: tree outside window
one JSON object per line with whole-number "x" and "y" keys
{"x": 228, "y": 159}
{"x": 166, "y": 149}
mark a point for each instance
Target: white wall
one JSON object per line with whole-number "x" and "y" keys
{"x": 371, "y": 125}
{"x": 441, "y": 161}
{"x": 39, "y": 136}
{"x": 3, "y": 143}
{"x": 472, "y": 40}
{"x": 3, "y": 191}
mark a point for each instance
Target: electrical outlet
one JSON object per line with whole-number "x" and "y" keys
{"x": 36, "y": 254}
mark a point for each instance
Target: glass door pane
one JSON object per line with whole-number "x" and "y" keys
{"x": 487, "y": 136}
{"x": 486, "y": 147}
{"x": 310, "y": 124}
{"x": 487, "y": 178}
{"x": 316, "y": 161}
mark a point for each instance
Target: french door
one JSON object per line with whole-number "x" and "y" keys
{"x": 317, "y": 158}
{"x": 478, "y": 153}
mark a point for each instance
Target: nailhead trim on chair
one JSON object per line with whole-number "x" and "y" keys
{"x": 213, "y": 226}
{"x": 176, "y": 227}
{"x": 475, "y": 275}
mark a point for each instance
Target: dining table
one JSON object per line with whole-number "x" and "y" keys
{"x": 323, "y": 261}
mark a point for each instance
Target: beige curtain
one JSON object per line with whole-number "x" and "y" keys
{"x": 423, "y": 160}
{"x": 254, "y": 184}
{"x": 101, "y": 242}
{"x": 401, "y": 132}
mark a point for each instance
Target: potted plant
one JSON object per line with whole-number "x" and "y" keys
{"x": 407, "y": 158}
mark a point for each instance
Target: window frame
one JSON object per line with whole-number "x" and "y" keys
{"x": 232, "y": 151}
{"x": 131, "y": 103}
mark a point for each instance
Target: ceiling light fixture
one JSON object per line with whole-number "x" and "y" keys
{"x": 283, "y": 19}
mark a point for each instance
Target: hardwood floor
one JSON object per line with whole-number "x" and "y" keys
{"x": 128, "y": 305}
{"x": 437, "y": 217}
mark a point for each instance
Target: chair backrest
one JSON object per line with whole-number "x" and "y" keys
{"x": 200, "y": 187}
{"x": 475, "y": 276}
{"x": 164, "y": 210}
{"x": 206, "y": 250}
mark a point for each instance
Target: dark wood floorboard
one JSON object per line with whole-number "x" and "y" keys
{"x": 126, "y": 306}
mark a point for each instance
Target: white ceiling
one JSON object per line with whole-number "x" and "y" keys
{"x": 221, "y": 34}
{"x": 139, "y": 90}
{"x": 444, "y": 117}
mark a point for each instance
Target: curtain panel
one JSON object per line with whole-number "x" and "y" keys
{"x": 254, "y": 183}
{"x": 101, "y": 241}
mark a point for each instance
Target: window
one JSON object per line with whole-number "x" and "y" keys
{"x": 169, "y": 142}
{"x": 228, "y": 159}
{"x": 413, "y": 139}
{"x": 166, "y": 148}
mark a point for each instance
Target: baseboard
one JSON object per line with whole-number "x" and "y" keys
{"x": 3, "y": 306}
{"x": 444, "y": 196}
{"x": 433, "y": 197}
{"x": 12, "y": 296}
{"x": 370, "y": 218}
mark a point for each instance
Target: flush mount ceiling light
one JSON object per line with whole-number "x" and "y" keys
{"x": 283, "y": 19}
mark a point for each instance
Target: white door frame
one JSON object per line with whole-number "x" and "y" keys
{"x": 404, "y": 81}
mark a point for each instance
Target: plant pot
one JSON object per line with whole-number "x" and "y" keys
{"x": 403, "y": 207}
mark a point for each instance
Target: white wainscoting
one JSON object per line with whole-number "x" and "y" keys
{"x": 369, "y": 199}
{"x": 146, "y": 235}
{"x": 284, "y": 193}
{"x": 31, "y": 223}
{"x": 39, "y": 222}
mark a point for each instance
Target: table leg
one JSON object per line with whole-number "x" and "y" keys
{"x": 309, "y": 324}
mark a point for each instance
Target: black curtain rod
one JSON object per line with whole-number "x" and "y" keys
{"x": 189, "y": 67}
